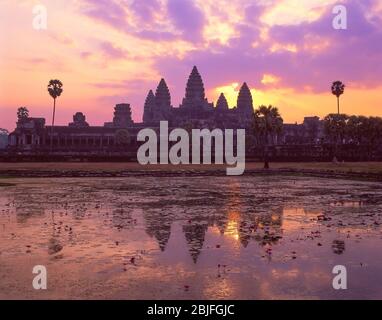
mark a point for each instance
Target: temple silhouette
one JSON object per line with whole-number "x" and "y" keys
{"x": 33, "y": 139}
{"x": 195, "y": 109}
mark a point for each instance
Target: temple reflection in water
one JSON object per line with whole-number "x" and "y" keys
{"x": 231, "y": 221}
{"x": 222, "y": 237}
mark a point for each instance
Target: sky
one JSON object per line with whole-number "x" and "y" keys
{"x": 114, "y": 51}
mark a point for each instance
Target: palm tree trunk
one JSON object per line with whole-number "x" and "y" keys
{"x": 51, "y": 132}
{"x": 338, "y": 105}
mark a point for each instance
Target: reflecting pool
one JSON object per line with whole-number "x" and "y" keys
{"x": 274, "y": 237}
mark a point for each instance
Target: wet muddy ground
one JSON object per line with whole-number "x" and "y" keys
{"x": 268, "y": 237}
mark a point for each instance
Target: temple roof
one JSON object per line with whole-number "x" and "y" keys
{"x": 195, "y": 86}
{"x": 222, "y": 103}
{"x": 149, "y": 106}
{"x": 244, "y": 99}
{"x": 162, "y": 94}
{"x": 150, "y": 99}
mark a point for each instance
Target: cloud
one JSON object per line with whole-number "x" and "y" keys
{"x": 146, "y": 9}
{"x": 187, "y": 18}
{"x": 229, "y": 41}
{"x": 61, "y": 38}
{"x": 36, "y": 60}
{"x": 86, "y": 54}
{"x": 112, "y": 52}
{"x": 157, "y": 35}
{"x": 127, "y": 85}
{"x": 307, "y": 53}
{"x": 351, "y": 54}
{"x": 269, "y": 79}
{"x": 320, "y": 54}
{"x": 110, "y": 12}
{"x": 183, "y": 19}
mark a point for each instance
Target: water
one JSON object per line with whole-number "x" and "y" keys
{"x": 190, "y": 237}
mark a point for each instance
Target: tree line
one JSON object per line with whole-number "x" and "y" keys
{"x": 357, "y": 130}
{"x": 339, "y": 128}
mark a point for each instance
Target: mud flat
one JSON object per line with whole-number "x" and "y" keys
{"x": 206, "y": 237}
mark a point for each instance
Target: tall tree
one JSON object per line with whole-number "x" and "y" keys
{"x": 338, "y": 89}
{"x": 55, "y": 90}
{"x": 267, "y": 122}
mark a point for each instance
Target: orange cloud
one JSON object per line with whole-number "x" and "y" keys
{"x": 270, "y": 79}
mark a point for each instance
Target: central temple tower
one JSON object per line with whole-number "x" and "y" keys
{"x": 195, "y": 98}
{"x": 244, "y": 101}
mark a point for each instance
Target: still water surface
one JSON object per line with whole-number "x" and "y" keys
{"x": 190, "y": 237}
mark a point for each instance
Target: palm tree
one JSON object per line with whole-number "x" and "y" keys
{"x": 55, "y": 90}
{"x": 338, "y": 89}
{"x": 266, "y": 123}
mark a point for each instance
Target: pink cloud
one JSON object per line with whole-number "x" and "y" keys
{"x": 112, "y": 52}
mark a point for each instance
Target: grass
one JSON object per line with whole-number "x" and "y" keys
{"x": 367, "y": 167}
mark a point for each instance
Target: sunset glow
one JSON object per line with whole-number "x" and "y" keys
{"x": 108, "y": 52}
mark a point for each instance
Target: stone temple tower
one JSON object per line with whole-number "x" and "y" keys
{"x": 195, "y": 95}
{"x": 150, "y": 103}
{"x": 222, "y": 104}
{"x": 162, "y": 102}
{"x": 244, "y": 101}
{"x": 122, "y": 116}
